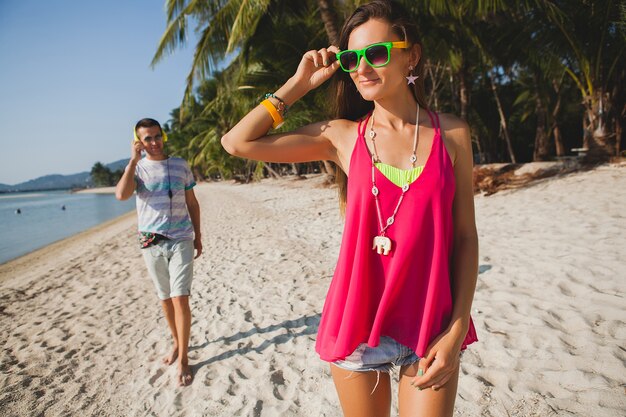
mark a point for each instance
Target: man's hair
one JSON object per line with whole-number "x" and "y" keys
{"x": 147, "y": 122}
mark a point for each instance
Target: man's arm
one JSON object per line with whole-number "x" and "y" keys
{"x": 194, "y": 212}
{"x": 126, "y": 186}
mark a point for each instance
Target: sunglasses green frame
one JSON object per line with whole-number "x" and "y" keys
{"x": 361, "y": 53}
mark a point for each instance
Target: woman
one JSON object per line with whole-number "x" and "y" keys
{"x": 403, "y": 287}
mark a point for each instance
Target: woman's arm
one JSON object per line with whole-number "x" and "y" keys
{"x": 249, "y": 138}
{"x": 442, "y": 355}
{"x": 465, "y": 253}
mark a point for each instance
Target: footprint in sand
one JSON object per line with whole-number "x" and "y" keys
{"x": 278, "y": 380}
{"x": 70, "y": 353}
{"x": 248, "y": 316}
{"x": 156, "y": 376}
{"x": 258, "y": 408}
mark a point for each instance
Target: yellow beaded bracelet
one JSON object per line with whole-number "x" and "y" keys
{"x": 276, "y": 117}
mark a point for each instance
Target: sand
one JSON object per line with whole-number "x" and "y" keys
{"x": 83, "y": 331}
{"x": 97, "y": 190}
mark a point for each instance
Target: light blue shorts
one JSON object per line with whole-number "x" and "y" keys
{"x": 170, "y": 265}
{"x": 384, "y": 357}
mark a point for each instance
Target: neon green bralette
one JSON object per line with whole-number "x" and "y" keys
{"x": 399, "y": 176}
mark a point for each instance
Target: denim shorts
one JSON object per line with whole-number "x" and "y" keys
{"x": 384, "y": 357}
{"x": 170, "y": 265}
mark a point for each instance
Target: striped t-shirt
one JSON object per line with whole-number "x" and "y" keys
{"x": 156, "y": 211}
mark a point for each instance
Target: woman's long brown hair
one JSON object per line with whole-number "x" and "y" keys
{"x": 348, "y": 101}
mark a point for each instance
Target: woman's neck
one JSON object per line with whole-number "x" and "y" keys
{"x": 395, "y": 113}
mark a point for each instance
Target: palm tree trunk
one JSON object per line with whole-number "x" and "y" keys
{"x": 463, "y": 94}
{"x": 479, "y": 149}
{"x": 295, "y": 169}
{"x": 271, "y": 171}
{"x": 541, "y": 151}
{"x": 618, "y": 137}
{"x": 503, "y": 125}
{"x": 587, "y": 126}
{"x": 436, "y": 74}
{"x": 328, "y": 167}
{"x": 558, "y": 141}
{"x": 597, "y": 135}
{"x": 327, "y": 12}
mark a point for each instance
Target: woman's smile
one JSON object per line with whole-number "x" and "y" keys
{"x": 366, "y": 81}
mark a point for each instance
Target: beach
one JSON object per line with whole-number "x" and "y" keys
{"x": 84, "y": 333}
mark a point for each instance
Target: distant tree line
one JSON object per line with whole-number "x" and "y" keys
{"x": 102, "y": 176}
{"x": 534, "y": 78}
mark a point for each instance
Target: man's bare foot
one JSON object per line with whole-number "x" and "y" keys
{"x": 184, "y": 375}
{"x": 171, "y": 358}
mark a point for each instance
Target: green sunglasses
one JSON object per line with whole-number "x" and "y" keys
{"x": 376, "y": 55}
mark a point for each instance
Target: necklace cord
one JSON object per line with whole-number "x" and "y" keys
{"x": 383, "y": 226}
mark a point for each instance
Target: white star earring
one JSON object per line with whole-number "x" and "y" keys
{"x": 411, "y": 78}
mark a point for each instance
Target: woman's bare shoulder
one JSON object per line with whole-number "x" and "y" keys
{"x": 454, "y": 127}
{"x": 341, "y": 126}
{"x": 456, "y": 135}
{"x": 342, "y": 133}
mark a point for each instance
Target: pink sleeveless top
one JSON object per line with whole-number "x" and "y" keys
{"x": 405, "y": 295}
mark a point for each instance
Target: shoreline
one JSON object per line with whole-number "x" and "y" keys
{"x": 58, "y": 247}
{"x": 96, "y": 190}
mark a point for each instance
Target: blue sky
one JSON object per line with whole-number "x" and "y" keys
{"x": 75, "y": 76}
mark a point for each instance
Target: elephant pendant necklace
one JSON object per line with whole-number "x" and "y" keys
{"x": 382, "y": 244}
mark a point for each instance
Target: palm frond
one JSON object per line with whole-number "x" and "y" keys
{"x": 246, "y": 21}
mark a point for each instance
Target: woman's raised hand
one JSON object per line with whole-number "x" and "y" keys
{"x": 249, "y": 138}
{"x": 317, "y": 66}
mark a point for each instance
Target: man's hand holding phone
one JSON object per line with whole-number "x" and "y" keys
{"x": 135, "y": 151}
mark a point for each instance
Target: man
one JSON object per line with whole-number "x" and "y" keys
{"x": 169, "y": 230}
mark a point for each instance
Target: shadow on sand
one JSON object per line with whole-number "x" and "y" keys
{"x": 309, "y": 325}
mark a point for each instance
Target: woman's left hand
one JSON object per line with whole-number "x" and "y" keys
{"x": 440, "y": 362}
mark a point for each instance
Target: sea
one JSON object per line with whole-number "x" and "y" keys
{"x": 32, "y": 220}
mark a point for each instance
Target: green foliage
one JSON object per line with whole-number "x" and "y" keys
{"x": 102, "y": 176}
{"x": 541, "y": 60}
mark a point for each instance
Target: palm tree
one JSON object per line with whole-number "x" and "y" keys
{"x": 225, "y": 26}
{"x": 458, "y": 33}
{"x": 589, "y": 38}
{"x": 506, "y": 58}
{"x": 542, "y": 82}
{"x": 256, "y": 32}
{"x": 266, "y": 52}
